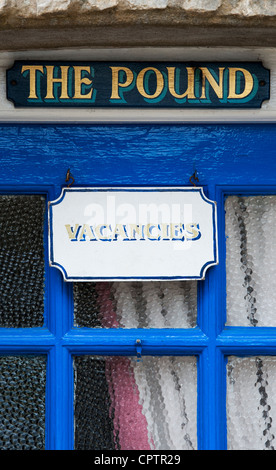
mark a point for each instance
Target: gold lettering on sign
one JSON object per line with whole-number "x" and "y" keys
{"x": 193, "y": 231}
{"x": 79, "y": 80}
{"x": 115, "y": 81}
{"x": 86, "y": 233}
{"x": 63, "y": 80}
{"x": 159, "y": 84}
{"x": 76, "y": 82}
{"x": 73, "y": 232}
{"x": 217, "y": 87}
{"x": 152, "y": 231}
{"x": 176, "y": 232}
{"x": 134, "y": 230}
{"x": 99, "y": 232}
{"x": 119, "y": 232}
{"x": 190, "y": 87}
{"x": 249, "y": 82}
{"x": 122, "y": 232}
{"x": 32, "y": 69}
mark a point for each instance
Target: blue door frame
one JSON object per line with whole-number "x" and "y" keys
{"x": 229, "y": 159}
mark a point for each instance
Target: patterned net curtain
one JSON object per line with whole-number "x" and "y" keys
{"x": 251, "y": 403}
{"x": 251, "y": 301}
{"x": 128, "y": 405}
{"x": 22, "y": 278}
{"x": 22, "y": 399}
{"x": 123, "y": 404}
{"x": 22, "y": 263}
{"x": 136, "y": 304}
{"x": 251, "y": 260}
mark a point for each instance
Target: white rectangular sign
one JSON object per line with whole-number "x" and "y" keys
{"x": 109, "y": 234}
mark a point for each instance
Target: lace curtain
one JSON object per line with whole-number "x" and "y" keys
{"x": 123, "y": 404}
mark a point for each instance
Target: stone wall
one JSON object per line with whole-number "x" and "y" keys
{"x": 87, "y": 12}
{"x": 49, "y": 23}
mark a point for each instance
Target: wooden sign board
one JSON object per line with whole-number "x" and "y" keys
{"x": 138, "y": 84}
{"x": 132, "y": 233}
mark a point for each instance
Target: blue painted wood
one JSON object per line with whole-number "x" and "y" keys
{"x": 230, "y": 159}
{"x": 137, "y": 155}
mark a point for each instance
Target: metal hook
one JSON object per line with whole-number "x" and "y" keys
{"x": 195, "y": 177}
{"x": 68, "y": 177}
{"x": 139, "y": 350}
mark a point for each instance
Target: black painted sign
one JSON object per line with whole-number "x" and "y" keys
{"x": 138, "y": 84}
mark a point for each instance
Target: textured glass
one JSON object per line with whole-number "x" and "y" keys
{"x": 22, "y": 402}
{"x": 251, "y": 403}
{"x": 251, "y": 260}
{"x": 123, "y": 404}
{"x": 136, "y": 304}
{"x": 21, "y": 261}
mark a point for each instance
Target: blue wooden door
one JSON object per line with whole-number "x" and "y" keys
{"x": 231, "y": 161}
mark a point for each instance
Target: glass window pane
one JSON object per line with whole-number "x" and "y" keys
{"x": 123, "y": 404}
{"x": 251, "y": 260}
{"x": 22, "y": 398}
{"x": 136, "y": 304}
{"x": 21, "y": 261}
{"x": 251, "y": 403}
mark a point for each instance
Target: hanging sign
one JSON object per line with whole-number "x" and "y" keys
{"x": 132, "y": 233}
{"x": 138, "y": 84}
